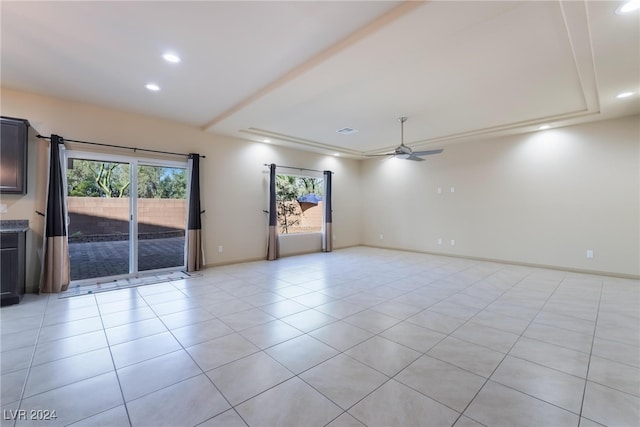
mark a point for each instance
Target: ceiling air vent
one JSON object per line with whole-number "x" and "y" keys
{"x": 347, "y": 131}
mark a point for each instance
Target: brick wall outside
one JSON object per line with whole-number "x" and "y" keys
{"x": 109, "y": 216}
{"x": 310, "y": 219}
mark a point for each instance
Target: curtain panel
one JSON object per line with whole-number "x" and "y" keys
{"x": 194, "y": 224}
{"x": 273, "y": 245}
{"x": 327, "y": 236}
{"x": 55, "y": 259}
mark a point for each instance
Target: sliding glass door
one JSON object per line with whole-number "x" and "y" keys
{"x": 162, "y": 205}
{"x": 125, "y": 215}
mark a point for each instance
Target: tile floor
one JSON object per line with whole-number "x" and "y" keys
{"x": 356, "y": 337}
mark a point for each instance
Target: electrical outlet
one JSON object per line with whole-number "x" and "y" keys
{"x": 3, "y": 208}
{"x": 453, "y": 242}
{"x": 381, "y": 237}
{"x": 220, "y": 249}
{"x": 453, "y": 189}
{"x": 440, "y": 240}
{"x": 589, "y": 254}
{"x": 439, "y": 190}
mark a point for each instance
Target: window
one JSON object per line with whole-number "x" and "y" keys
{"x": 299, "y": 204}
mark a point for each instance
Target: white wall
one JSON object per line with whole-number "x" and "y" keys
{"x": 234, "y": 182}
{"x": 542, "y": 198}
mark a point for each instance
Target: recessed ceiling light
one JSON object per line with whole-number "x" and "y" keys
{"x": 171, "y": 57}
{"x": 266, "y": 140}
{"x": 624, "y": 95}
{"x": 336, "y": 154}
{"x": 543, "y": 127}
{"x": 152, "y": 87}
{"x": 628, "y": 7}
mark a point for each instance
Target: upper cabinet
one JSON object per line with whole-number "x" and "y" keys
{"x": 13, "y": 155}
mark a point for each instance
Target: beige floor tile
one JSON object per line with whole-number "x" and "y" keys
{"x": 262, "y": 298}
{"x": 619, "y": 352}
{"x": 308, "y": 320}
{"x": 66, "y": 347}
{"x": 248, "y": 377}
{"x": 471, "y": 357}
{"x": 466, "y": 422}
{"x": 494, "y": 339}
{"x": 129, "y": 316}
{"x": 71, "y": 402}
{"x": 345, "y": 420}
{"x": 436, "y": 321}
{"x": 145, "y": 348}
{"x": 177, "y": 306}
{"x": 65, "y": 371}
{"x": 562, "y": 321}
{"x": 112, "y": 417}
{"x": 396, "y": 309}
{"x": 442, "y": 382}
{"x": 501, "y": 322}
{"x": 615, "y": 375}
{"x": 270, "y": 333}
{"x": 186, "y": 403}
{"x": 200, "y": 332}
{"x": 341, "y": 335}
{"x": 16, "y": 340}
{"x": 11, "y": 386}
{"x": 384, "y": 355}
{"x": 185, "y": 318}
{"x": 53, "y": 318}
{"x": 372, "y": 321}
{"x": 454, "y": 310}
{"x": 135, "y": 330}
{"x": 365, "y": 299}
{"x": 501, "y": 406}
{"x": 143, "y": 378}
{"x": 69, "y": 329}
{"x": 413, "y": 336}
{"x": 344, "y": 380}
{"x": 292, "y": 403}
{"x": 546, "y": 384}
{"x": 122, "y": 305}
{"x": 15, "y": 360}
{"x": 292, "y": 291}
{"x": 246, "y": 319}
{"x": 217, "y": 352}
{"x": 563, "y": 359}
{"x": 23, "y": 324}
{"x": 561, "y": 337}
{"x": 395, "y": 404}
{"x": 301, "y": 353}
{"x": 610, "y": 407}
{"x": 339, "y": 309}
{"x": 313, "y": 299}
{"x": 585, "y": 422}
{"x": 229, "y": 418}
{"x": 284, "y": 308}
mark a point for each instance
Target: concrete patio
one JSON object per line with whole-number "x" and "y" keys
{"x": 103, "y": 259}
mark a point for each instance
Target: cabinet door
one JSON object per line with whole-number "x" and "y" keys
{"x": 13, "y": 156}
{"x": 9, "y": 271}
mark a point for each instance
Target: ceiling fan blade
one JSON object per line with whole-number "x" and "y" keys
{"x": 428, "y": 152}
{"x": 415, "y": 158}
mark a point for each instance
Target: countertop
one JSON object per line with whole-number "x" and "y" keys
{"x": 14, "y": 225}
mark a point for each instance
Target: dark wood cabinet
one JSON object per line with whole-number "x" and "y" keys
{"x": 13, "y": 155}
{"x": 12, "y": 273}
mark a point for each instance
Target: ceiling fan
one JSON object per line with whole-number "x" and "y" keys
{"x": 404, "y": 152}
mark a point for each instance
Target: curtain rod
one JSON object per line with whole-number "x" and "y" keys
{"x": 300, "y": 169}
{"x": 122, "y": 146}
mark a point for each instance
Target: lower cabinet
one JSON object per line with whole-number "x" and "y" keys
{"x": 12, "y": 273}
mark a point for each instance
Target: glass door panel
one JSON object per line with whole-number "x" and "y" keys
{"x": 161, "y": 215}
{"x": 99, "y": 218}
